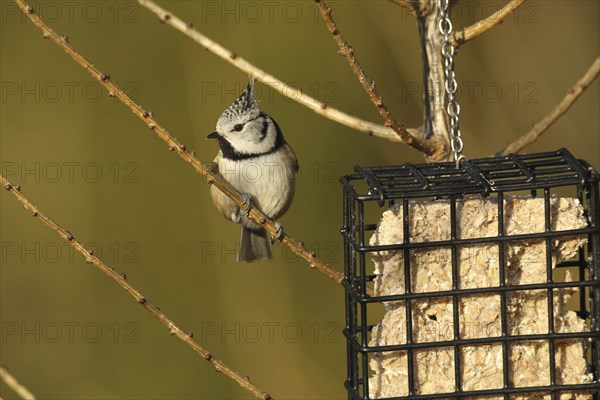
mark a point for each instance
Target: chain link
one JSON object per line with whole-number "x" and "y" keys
{"x": 452, "y": 108}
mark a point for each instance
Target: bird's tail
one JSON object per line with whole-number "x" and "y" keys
{"x": 254, "y": 246}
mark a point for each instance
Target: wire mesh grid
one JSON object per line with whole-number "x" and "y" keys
{"x": 539, "y": 176}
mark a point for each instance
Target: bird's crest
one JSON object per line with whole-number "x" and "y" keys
{"x": 243, "y": 105}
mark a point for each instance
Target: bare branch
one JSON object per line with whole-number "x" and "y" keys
{"x": 435, "y": 116}
{"x": 428, "y": 147}
{"x": 478, "y": 28}
{"x": 14, "y": 384}
{"x": 121, "y": 280}
{"x": 293, "y": 93}
{"x": 181, "y": 150}
{"x": 557, "y": 112}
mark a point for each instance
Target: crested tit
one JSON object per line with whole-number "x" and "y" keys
{"x": 256, "y": 160}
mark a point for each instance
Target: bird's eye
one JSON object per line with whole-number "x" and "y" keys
{"x": 238, "y": 127}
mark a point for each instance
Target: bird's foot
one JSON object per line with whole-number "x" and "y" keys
{"x": 245, "y": 210}
{"x": 279, "y": 234}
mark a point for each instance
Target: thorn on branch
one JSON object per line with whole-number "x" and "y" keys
{"x": 105, "y": 78}
{"x": 35, "y": 214}
{"x": 8, "y": 187}
{"x": 124, "y": 276}
{"x": 29, "y": 10}
{"x": 65, "y": 38}
{"x": 45, "y": 35}
{"x": 145, "y": 114}
{"x": 232, "y": 55}
{"x": 70, "y": 236}
{"x": 18, "y": 188}
{"x": 151, "y": 126}
{"x": 182, "y": 147}
{"x": 190, "y": 334}
{"x": 142, "y": 300}
{"x": 171, "y": 148}
{"x": 190, "y": 25}
{"x": 208, "y": 357}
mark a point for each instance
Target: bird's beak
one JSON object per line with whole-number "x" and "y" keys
{"x": 214, "y": 135}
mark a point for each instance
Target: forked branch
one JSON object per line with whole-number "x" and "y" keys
{"x": 557, "y": 112}
{"x": 121, "y": 280}
{"x": 180, "y": 148}
{"x": 480, "y": 27}
{"x": 429, "y": 147}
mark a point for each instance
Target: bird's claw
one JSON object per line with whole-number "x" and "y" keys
{"x": 245, "y": 211}
{"x": 278, "y": 234}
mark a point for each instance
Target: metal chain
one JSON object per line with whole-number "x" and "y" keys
{"x": 452, "y": 108}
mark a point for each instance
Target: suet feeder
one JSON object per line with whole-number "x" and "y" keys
{"x": 481, "y": 281}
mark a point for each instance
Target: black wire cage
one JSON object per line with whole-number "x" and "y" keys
{"x": 476, "y": 282}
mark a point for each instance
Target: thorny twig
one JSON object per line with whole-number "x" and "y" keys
{"x": 121, "y": 280}
{"x": 181, "y": 150}
{"x": 429, "y": 147}
{"x": 558, "y": 111}
{"x": 480, "y": 27}
{"x": 293, "y": 93}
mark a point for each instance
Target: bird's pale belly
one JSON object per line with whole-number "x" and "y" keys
{"x": 267, "y": 179}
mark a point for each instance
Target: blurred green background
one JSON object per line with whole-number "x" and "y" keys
{"x": 68, "y": 332}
